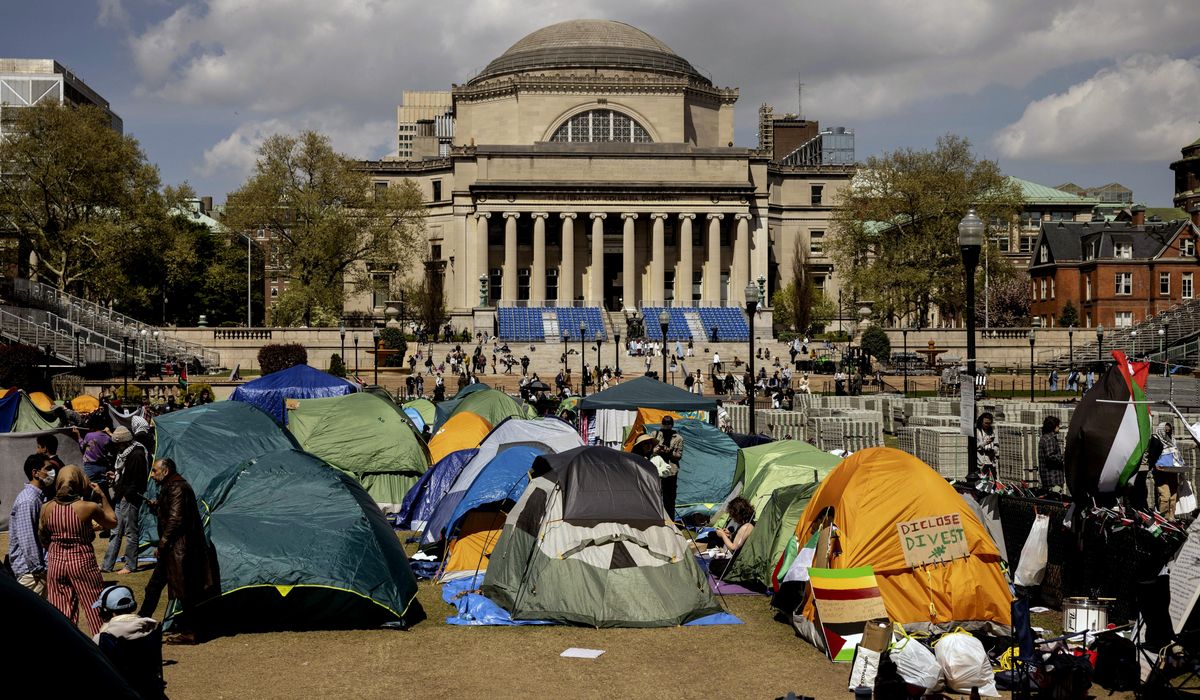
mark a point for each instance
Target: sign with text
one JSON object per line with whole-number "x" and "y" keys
{"x": 938, "y": 538}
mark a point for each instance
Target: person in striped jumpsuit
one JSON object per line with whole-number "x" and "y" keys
{"x": 65, "y": 527}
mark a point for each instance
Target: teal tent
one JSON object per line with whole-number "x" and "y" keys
{"x": 301, "y": 545}
{"x": 706, "y": 469}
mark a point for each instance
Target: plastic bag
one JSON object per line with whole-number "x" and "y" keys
{"x": 865, "y": 667}
{"x": 915, "y": 662}
{"x": 1032, "y": 566}
{"x": 964, "y": 664}
{"x": 1187, "y": 498}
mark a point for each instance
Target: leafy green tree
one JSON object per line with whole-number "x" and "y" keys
{"x": 326, "y": 220}
{"x": 393, "y": 339}
{"x": 1069, "y": 316}
{"x": 875, "y": 342}
{"x": 896, "y": 227}
{"x": 1008, "y": 304}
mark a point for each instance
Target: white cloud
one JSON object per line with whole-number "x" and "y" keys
{"x": 113, "y": 14}
{"x": 1141, "y": 109}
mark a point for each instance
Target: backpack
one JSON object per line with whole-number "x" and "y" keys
{"x": 689, "y": 381}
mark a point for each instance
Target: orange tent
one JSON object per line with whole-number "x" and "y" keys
{"x": 467, "y": 552}
{"x": 645, "y": 416}
{"x": 462, "y": 432}
{"x": 42, "y": 401}
{"x": 870, "y": 493}
{"x": 85, "y": 403}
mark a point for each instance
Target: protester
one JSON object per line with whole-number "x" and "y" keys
{"x": 128, "y": 477}
{"x": 1051, "y": 469}
{"x": 94, "y": 446}
{"x": 986, "y": 445}
{"x": 26, "y": 555}
{"x": 668, "y": 444}
{"x": 1162, "y": 454}
{"x": 185, "y": 564}
{"x": 65, "y": 528}
{"x": 732, "y": 537}
{"x": 48, "y": 445}
{"x": 127, "y": 639}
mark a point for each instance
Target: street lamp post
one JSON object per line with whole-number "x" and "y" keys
{"x": 375, "y": 338}
{"x": 904, "y": 360}
{"x": 77, "y": 334}
{"x": 617, "y": 352}
{"x": 598, "y": 342}
{"x": 1133, "y": 335}
{"x": 582, "y": 361}
{"x": 566, "y": 336}
{"x": 342, "y": 334}
{"x": 356, "y": 356}
{"x": 1070, "y": 350}
{"x": 664, "y": 320}
{"x": 1031, "y": 342}
{"x": 1166, "y": 364}
{"x": 970, "y": 241}
{"x": 1162, "y": 337}
{"x": 125, "y": 366}
{"x": 751, "y": 308}
{"x": 1100, "y": 344}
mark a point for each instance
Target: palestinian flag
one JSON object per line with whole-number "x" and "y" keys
{"x": 1109, "y": 430}
{"x": 183, "y": 382}
{"x": 794, "y": 563}
{"x": 846, "y": 600}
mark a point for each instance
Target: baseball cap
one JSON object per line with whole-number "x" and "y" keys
{"x": 116, "y": 599}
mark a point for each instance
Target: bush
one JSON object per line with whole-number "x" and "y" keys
{"x": 21, "y": 366}
{"x": 129, "y": 395}
{"x": 875, "y": 343}
{"x": 337, "y": 366}
{"x": 277, "y": 356}
{"x": 393, "y": 339}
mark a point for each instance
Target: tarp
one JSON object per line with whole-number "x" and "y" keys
{"x": 870, "y": 493}
{"x": 645, "y": 392}
{"x": 774, "y": 526}
{"x": 706, "y": 469}
{"x": 548, "y": 434}
{"x": 366, "y": 436}
{"x": 302, "y": 546}
{"x": 421, "y": 500}
{"x": 270, "y": 392}
{"x": 9, "y": 405}
{"x": 461, "y": 432}
{"x": 764, "y": 468}
{"x": 14, "y": 448}
{"x": 489, "y": 404}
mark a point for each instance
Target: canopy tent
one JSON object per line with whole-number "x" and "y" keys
{"x": 422, "y": 499}
{"x": 589, "y": 543}
{"x": 869, "y": 494}
{"x": 366, "y": 436}
{"x": 270, "y": 392}
{"x": 425, "y": 409}
{"x": 764, "y": 468}
{"x": 547, "y": 434}
{"x": 645, "y": 392}
{"x": 316, "y": 554}
{"x": 706, "y": 469}
{"x": 14, "y": 448}
{"x": 774, "y": 526}
{"x": 491, "y": 405}
{"x": 461, "y": 432}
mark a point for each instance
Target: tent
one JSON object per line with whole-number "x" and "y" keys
{"x": 589, "y": 543}
{"x": 645, "y": 392}
{"x": 489, "y": 404}
{"x": 869, "y": 494}
{"x": 547, "y": 434}
{"x": 43, "y": 402}
{"x": 14, "y": 448}
{"x": 366, "y": 436}
{"x": 774, "y": 527}
{"x": 424, "y": 409}
{"x": 301, "y": 545}
{"x": 764, "y": 468}
{"x": 421, "y": 500}
{"x": 706, "y": 469}
{"x": 270, "y": 392}
{"x": 85, "y": 403}
{"x": 29, "y": 418}
{"x": 461, "y": 432}
{"x": 9, "y": 405}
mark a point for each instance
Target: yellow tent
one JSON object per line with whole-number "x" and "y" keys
{"x": 43, "y": 402}
{"x": 645, "y": 416}
{"x": 467, "y": 551}
{"x": 463, "y": 431}
{"x": 870, "y": 493}
{"x": 85, "y": 403}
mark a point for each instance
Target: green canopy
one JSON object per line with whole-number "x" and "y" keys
{"x": 302, "y": 546}
{"x": 774, "y": 528}
{"x": 645, "y": 392}
{"x": 763, "y": 468}
{"x": 364, "y": 435}
{"x": 31, "y": 419}
{"x": 489, "y": 404}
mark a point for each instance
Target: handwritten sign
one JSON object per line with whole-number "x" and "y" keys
{"x": 932, "y": 540}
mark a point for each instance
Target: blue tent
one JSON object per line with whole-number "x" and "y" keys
{"x": 503, "y": 479}
{"x": 706, "y": 469}
{"x": 8, "y": 410}
{"x": 415, "y": 416}
{"x": 270, "y": 392}
{"x": 422, "y": 499}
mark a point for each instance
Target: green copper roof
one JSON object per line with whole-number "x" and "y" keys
{"x": 1033, "y": 193}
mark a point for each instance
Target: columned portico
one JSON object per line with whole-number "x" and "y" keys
{"x": 481, "y": 245}
{"x": 658, "y": 257}
{"x": 629, "y": 283}
{"x": 596, "y": 273}
{"x": 739, "y": 273}
{"x": 537, "y": 285}
{"x": 712, "y": 269}
{"x": 508, "y": 283}
{"x": 566, "y": 268}
{"x": 685, "y": 274}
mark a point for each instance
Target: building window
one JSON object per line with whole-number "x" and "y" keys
{"x": 380, "y": 189}
{"x": 551, "y": 285}
{"x": 1164, "y": 283}
{"x": 819, "y": 284}
{"x": 1088, "y": 319}
{"x": 494, "y": 281}
{"x": 523, "y": 278}
{"x": 437, "y": 190}
{"x": 668, "y": 285}
{"x": 600, "y": 125}
{"x": 381, "y": 284}
{"x": 435, "y": 251}
{"x": 1044, "y": 254}
{"x": 1043, "y": 289}
{"x": 1052, "y": 285}
{"x": 1031, "y": 219}
{"x": 274, "y": 292}
{"x": 1185, "y": 285}
{"x": 1124, "y": 319}
{"x": 1027, "y": 243}
{"x": 1002, "y": 243}
{"x": 816, "y": 242}
{"x": 1087, "y": 289}
{"x": 1061, "y": 216}
{"x": 818, "y": 193}
{"x": 1124, "y": 283}
{"x": 1187, "y": 247}
{"x": 1124, "y": 251}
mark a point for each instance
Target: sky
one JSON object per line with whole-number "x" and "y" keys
{"x": 1083, "y": 91}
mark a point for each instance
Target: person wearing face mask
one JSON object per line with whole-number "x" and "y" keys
{"x": 26, "y": 555}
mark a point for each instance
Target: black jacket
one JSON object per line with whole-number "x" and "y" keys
{"x": 131, "y": 484}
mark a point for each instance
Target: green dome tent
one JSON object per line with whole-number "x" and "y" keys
{"x": 366, "y": 436}
{"x": 763, "y": 468}
{"x": 423, "y": 408}
{"x": 706, "y": 468}
{"x": 773, "y": 529}
{"x": 301, "y": 546}
{"x": 491, "y": 405}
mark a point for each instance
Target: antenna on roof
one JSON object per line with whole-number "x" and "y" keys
{"x": 799, "y": 98}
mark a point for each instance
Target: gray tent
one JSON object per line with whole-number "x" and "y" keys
{"x": 14, "y": 448}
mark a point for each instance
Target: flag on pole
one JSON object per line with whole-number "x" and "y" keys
{"x": 795, "y": 561}
{"x": 183, "y": 380}
{"x": 1109, "y": 430}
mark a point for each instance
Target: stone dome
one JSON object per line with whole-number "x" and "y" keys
{"x": 590, "y": 44}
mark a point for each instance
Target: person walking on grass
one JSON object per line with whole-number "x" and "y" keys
{"x": 130, "y": 473}
{"x": 65, "y": 528}
{"x": 668, "y": 444}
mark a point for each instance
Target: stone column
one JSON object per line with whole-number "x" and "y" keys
{"x": 629, "y": 289}
{"x": 658, "y": 260}
{"x": 712, "y": 269}
{"x": 685, "y": 274}
{"x": 566, "y": 268}
{"x": 537, "y": 285}
{"x": 481, "y": 249}
{"x": 508, "y": 274}
{"x": 740, "y": 273}
{"x": 596, "y": 274}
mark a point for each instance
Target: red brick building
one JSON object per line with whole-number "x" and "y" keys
{"x": 1116, "y": 273}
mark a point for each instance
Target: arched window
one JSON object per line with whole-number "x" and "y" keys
{"x": 601, "y": 125}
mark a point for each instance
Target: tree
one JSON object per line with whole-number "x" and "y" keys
{"x": 77, "y": 193}
{"x": 274, "y": 357}
{"x": 876, "y": 343}
{"x": 1069, "y": 316}
{"x": 1009, "y": 302}
{"x": 428, "y": 297}
{"x": 326, "y": 220}
{"x": 895, "y": 230}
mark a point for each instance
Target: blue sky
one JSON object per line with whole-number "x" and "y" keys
{"x": 1088, "y": 91}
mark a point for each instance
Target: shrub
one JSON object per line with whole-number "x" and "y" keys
{"x": 875, "y": 343}
{"x": 337, "y": 366}
{"x": 277, "y": 356}
{"x": 129, "y": 395}
{"x": 393, "y": 339}
{"x": 21, "y": 366}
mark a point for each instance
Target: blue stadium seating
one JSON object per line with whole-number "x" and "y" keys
{"x": 730, "y": 323}
{"x": 677, "y": 327}
{"x": 520, "y": 323}
{"x": 569, "y": 319}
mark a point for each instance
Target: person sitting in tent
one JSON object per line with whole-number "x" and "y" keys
{"x": 1162, "y": 454}
{"x": 131, "y": 642}
{"x": 986, "y": 445}
{"x": 668, "y": 444}
{"x": 733, "y": 536}
{"x": 1051, "y": 468}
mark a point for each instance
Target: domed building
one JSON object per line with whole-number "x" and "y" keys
{"x": 592, "y": 167}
